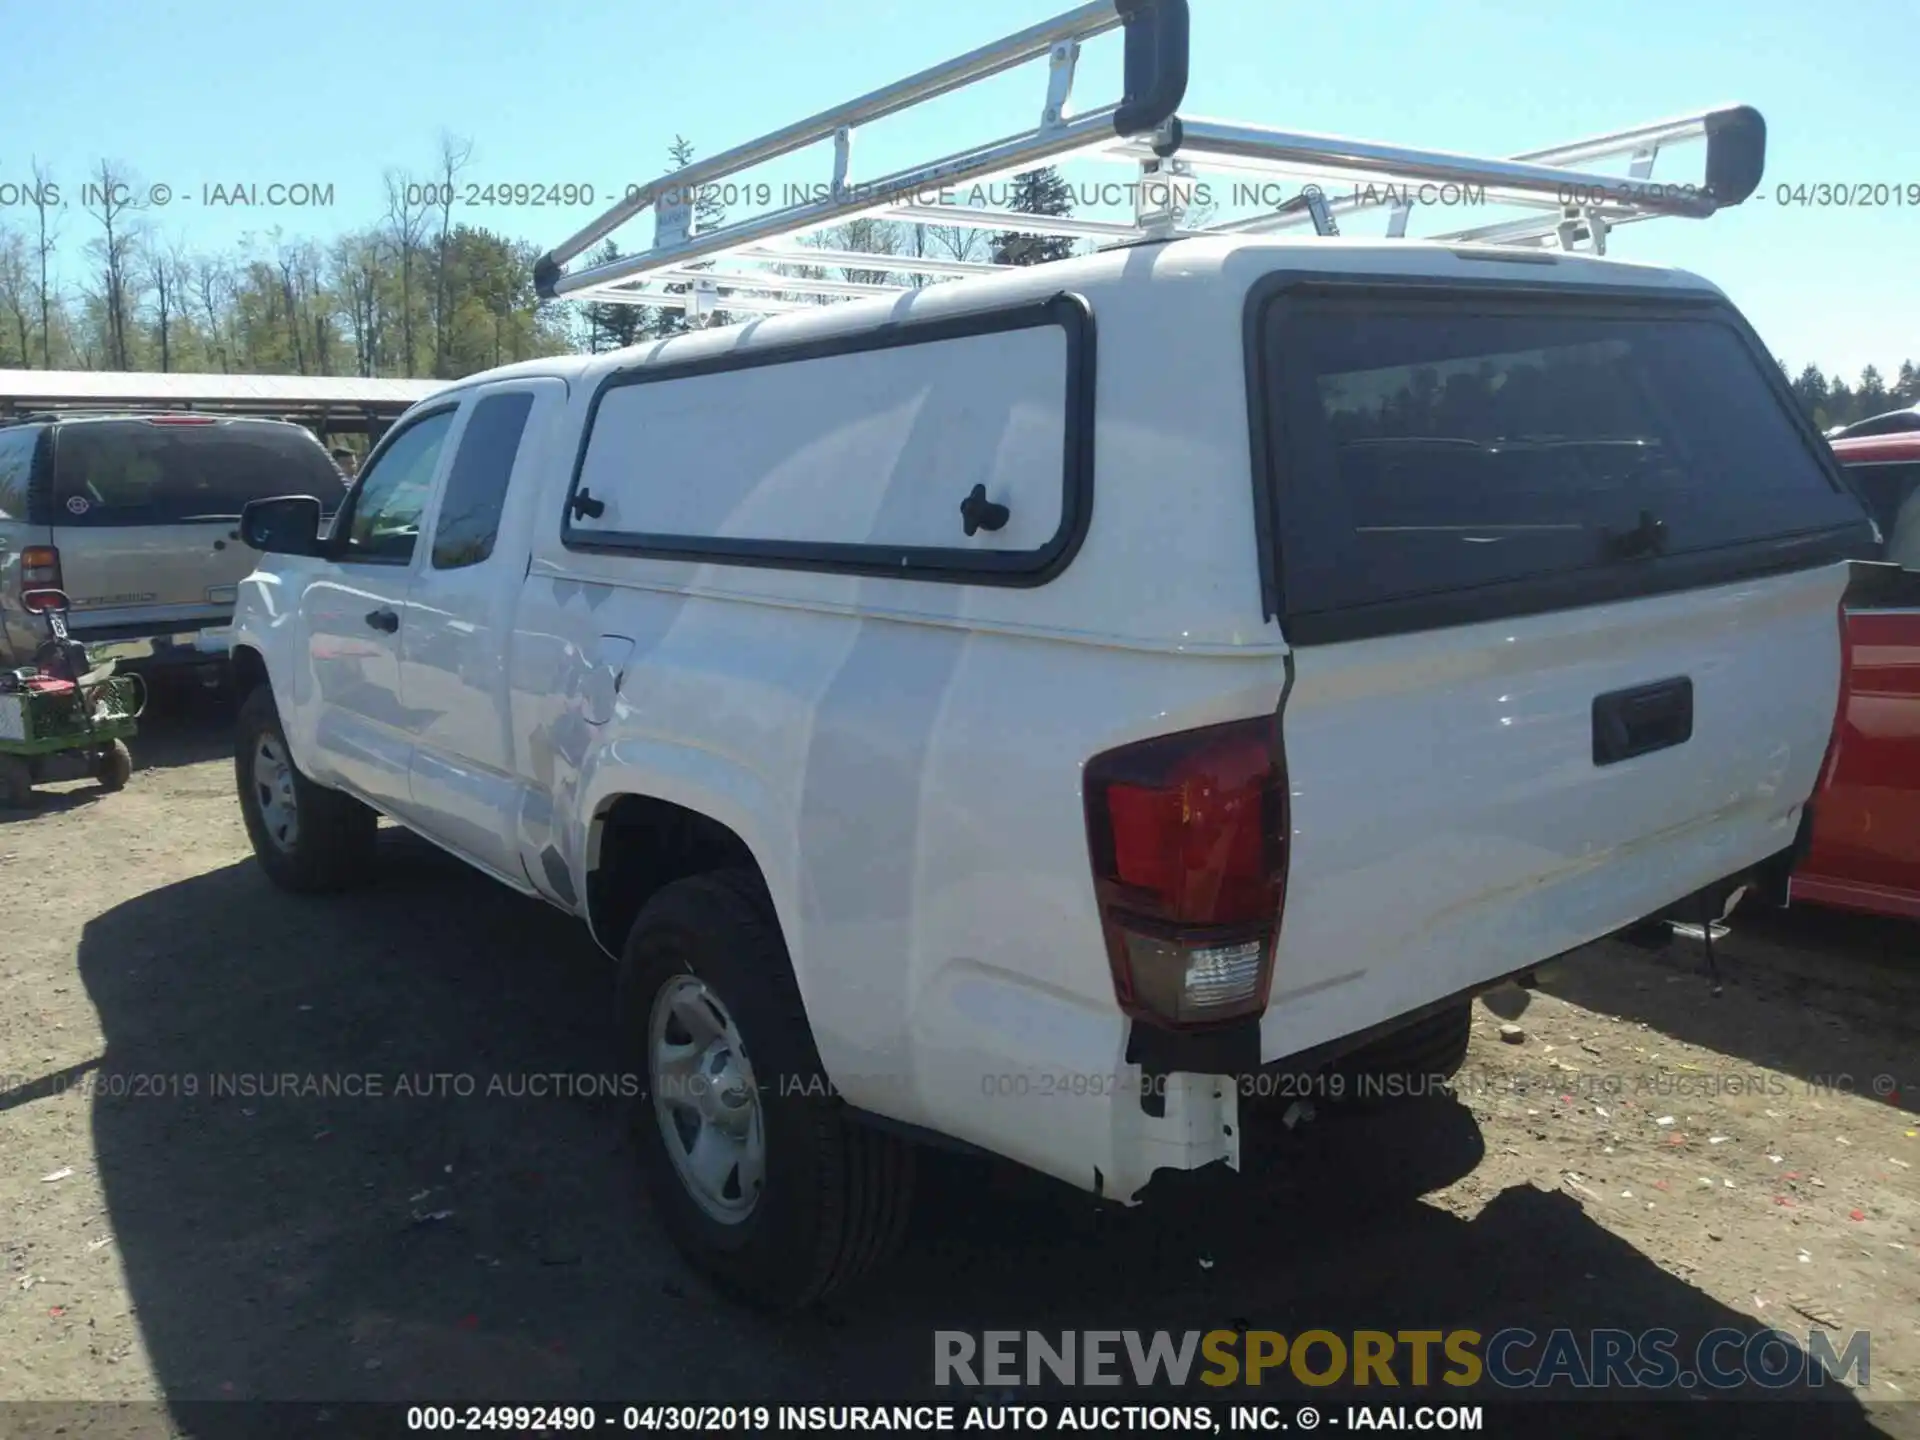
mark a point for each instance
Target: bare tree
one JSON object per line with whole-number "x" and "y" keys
{"x": 167, "y": 270}
{"x": 405, "y": 227}
{"x": 213, "y": 289}
{"x": 355, "y": 272}
{"x": 296, "y": 267}
{"x": 46, "y": 236}
{"x": 870, "y": 236}
{"x": 110, "y": 198}
{"x": 454, "y": 154}
{"x": 16, "y": 298}
{"x": 959, "y": 242}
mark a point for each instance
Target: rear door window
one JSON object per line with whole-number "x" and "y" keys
{"x": 1432, "y": 447}
{"x": 477, "y": 484}
{"x": 173, "y": 472}
{"x": 16, "y": 470}
{"x": 1891, "y": 489}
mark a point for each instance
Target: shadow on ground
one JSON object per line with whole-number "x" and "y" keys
{"x": 185, "y": 722}
{"x": 454, "y": 1244}
{"x": 1830, "y": 997}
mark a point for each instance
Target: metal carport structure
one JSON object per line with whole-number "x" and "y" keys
{"x": 330, "y": 405}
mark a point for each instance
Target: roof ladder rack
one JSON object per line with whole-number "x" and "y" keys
{"x": 1563, "y": 204}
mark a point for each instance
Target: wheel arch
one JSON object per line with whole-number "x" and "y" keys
{"x": 249, "y": 670}
{"x": 639, "y": 843}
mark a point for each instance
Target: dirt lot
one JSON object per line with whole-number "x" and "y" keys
{"x": 1648, "y": 1155}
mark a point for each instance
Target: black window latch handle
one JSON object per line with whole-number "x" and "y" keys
{"x": 1649, "y": 536}
{"x": 980, "y": 513}
{"x": 583, "y": 505}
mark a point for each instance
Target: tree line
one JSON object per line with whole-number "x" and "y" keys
{"x": 419, "y": 292}
{"x": 1831, "y": 401}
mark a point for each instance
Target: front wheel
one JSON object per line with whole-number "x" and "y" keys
{"x": 307, "y": 838}
{"x": 761, "y": 1176}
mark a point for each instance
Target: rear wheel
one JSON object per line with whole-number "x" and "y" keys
{"x": 16, "y": 783}
{"x": 758, "y": 1172}
{"x": 306, "y": 837}
{"x": 1411, "y": 1063}
{"x": 115, "y": 766}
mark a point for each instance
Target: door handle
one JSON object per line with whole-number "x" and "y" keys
{"x": 385, "y": 620}
{"x": 1627, "y": 723}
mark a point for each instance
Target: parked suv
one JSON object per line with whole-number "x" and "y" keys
{"x": 137, "y": 518}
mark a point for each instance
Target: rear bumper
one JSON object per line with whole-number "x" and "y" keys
{"x": 192, "y": 645}
{"x": 1017, "y": 1069}
{"x": 1234, "y": 1050}
{"x": 1845, "y": 894}
{"x": 1078, "y": 1092}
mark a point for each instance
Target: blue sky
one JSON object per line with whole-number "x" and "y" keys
{"x": 199, "y": 92}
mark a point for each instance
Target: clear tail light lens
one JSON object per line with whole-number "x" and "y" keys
{"x": 1188, "y": 837}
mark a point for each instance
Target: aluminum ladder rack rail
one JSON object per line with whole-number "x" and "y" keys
{"x": 1165, "y": 155}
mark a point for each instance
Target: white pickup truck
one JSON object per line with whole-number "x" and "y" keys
{"x": 952, "y": 732}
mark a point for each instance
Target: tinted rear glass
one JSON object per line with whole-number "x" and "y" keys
{"x": 1891, "y": 489}
{"x": 138, "y": 473}
{"x": 16, "y": 469}
{"x": 1429, "y": 447}
{"x": 477, "y": 485}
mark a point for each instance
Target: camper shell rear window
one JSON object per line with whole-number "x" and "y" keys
{"x": 1434, "y": 458}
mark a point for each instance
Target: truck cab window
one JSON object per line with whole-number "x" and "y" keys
{"x": 381, "y": 519}
{"x": 477, "y": 484}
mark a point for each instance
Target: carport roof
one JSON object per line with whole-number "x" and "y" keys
{"x": 307, "y": 397}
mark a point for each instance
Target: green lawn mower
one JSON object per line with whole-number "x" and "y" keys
{"x": 61, "y": 719}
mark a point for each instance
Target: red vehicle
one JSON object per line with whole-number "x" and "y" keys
{"x": 1865, "y": 850}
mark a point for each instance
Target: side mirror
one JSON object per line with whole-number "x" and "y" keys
{"x": 284, "y": 525}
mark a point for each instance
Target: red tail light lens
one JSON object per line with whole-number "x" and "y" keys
{"x": 1188, "y": 835}
{"x": 39, "y": 567}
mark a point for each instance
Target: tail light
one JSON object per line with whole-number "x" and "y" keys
{"x": 1188, "y": 835}
{"x": 39, "y": 568}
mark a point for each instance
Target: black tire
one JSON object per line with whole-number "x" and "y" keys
{"x": 115, "y": 767}
{"x": 836, "y": 1196}
{"x": 1411, "y": 1063}
{"x": 16, "y": 783}
{"x": 331, "y": 847}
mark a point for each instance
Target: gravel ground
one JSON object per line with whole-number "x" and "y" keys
{"x": 1647, "y": 1155}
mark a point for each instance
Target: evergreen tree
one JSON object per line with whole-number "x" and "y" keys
{"x": 708, "y": 214}
{"x": 1906, "y": 388}
{"x": 1842, "y": 408}
{"x": 1872, "y": 394}
{"x": 1810, "y": 388}
{"x": 612, "y": 325}
{"x": 1037, "y": 192}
